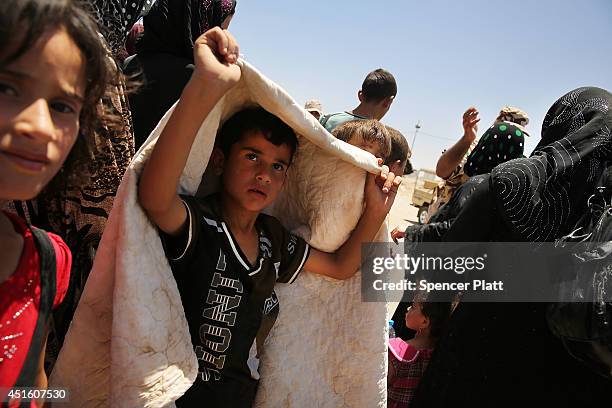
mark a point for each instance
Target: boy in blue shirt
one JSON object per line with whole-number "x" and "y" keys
{"x": 225, "y": 255}
{"x": 375, "y": 98}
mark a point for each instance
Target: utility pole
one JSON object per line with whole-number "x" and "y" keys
{"x": 416, "y": 130}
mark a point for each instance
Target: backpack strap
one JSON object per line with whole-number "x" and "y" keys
{"x": 324, "y": 120}
{"x": 48, "y": 271}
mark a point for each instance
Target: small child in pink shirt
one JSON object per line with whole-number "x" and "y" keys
{"x": 408, "y": 359}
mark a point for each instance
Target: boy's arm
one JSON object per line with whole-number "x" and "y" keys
{"x": 451, "y": 158}
{"x": 215, "y": 55}
{"x": 345, "y": 262}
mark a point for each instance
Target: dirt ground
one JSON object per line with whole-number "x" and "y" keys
{"x": 402, "y": 214}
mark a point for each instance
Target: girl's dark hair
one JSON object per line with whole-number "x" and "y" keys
{"x": 274, "y": 130}
{"x": 22, "y": 23}
{"x": 438, "y": 313}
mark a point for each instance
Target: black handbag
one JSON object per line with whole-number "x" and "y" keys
{"x": 584, "y": 324}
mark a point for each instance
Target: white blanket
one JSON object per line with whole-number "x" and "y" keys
{"x": 129, "y": 344}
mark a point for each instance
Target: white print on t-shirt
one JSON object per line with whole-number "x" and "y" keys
{"x": 292, "y": 244}
{"x": 265, "y": 245}
{"x": 221, "y": 264}
{"x": 222, "y": 303}
{"x": 218, "y": 338}
{"x": 270, "y": 304}
{"x": 208, "y": 374}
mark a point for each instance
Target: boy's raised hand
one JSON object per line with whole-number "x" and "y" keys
{"x": 215, "y": 55}
{"x": 380, "y": 191}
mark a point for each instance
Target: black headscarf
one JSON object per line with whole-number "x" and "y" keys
{"x": 542, "y": 197}
{"x": 172, "y": 26}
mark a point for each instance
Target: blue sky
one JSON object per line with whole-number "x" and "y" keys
{"x": 445, "y": 54}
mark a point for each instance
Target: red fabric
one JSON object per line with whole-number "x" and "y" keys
{"x": 409, "y": 364}
{"x": 20, "y": 293}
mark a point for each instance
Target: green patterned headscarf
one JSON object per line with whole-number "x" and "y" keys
{"x": 501, "y": 142}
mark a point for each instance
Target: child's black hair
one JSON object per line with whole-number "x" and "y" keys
{"x": 378, "y": 85}
{"x": 399, "y": 147}
{"x": 438, "y": 313}
{"x": 399, "y": 150}
{"x": 256, "y": 119}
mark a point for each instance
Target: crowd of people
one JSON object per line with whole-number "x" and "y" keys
{"x": 83, "y": 84}
{"x": 493, "y": 193}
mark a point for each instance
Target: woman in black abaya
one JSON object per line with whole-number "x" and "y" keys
{"x": 165, "y": 55}
{"x": 501, "y": 354}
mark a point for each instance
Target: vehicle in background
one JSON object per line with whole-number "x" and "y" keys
{"x": 425, "y": 189}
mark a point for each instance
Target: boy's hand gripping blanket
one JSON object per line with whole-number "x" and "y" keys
{"x": 129, "y": 344}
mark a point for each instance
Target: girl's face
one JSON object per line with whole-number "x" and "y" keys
{"x": 415, "y": 319}
{"x": 41, "y": 96}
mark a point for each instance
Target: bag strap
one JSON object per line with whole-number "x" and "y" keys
{"x": 48, "y": 271}
{"x": 324, "y": 119}
{"x": 327, "y": 117}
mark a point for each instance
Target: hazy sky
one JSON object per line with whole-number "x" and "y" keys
{"x": 445, "y": 55}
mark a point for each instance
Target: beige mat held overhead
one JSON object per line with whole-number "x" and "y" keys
{"x": 129, "y": 345}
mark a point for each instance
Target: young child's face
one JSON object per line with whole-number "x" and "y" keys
{"x": 41, "y": 96}
{"x": 415, "y": 319}
{"x": 254, "y": 171}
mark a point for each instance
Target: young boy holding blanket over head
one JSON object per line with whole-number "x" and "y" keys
{"x": 226, "y": 256}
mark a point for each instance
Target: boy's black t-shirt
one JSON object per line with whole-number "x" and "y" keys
{"x": 228, "y": 302}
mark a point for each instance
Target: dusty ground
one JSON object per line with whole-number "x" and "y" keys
{"x": 403, "y": 214}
